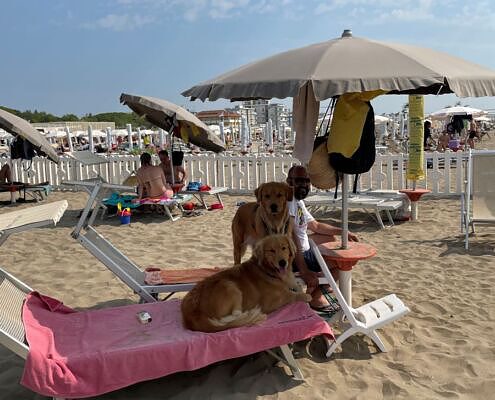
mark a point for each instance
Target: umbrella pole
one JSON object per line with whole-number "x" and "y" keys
{"x": 171, "y": 161}
{"x": 344, "y": 217}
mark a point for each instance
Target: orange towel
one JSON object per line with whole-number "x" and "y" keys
{"x": 157, "y": 276}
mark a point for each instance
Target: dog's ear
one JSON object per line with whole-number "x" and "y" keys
{"x": 259, "y": 250}
{"x": 290, "y": 192}
{"x": 292, "y": 247}
{"x": 258, "y": 192}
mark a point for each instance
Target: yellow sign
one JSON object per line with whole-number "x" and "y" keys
{"x": 415, "y": 169}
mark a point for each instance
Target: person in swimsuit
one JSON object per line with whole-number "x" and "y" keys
{"x": 151, "y": 180}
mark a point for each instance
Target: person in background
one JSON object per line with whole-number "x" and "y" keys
{"x": 305, "y": 261}
{"x": 473, "y": 133}
{"x": 5, "y": 174}
{"x": 427, "y": 133}
{"x": 180, "y": 175}
{"x": 151, "y": 180}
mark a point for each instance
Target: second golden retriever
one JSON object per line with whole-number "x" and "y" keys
{"x": 243, "y": 295}
{"x": 267, "y": 216}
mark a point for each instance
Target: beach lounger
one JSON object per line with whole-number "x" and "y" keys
{"x": 32, "y": 217}
{"x": 37, "y": 191}
{"x": 67, "y": 356}
{"x": 365, "y": 319}
{"x": 374, "y": 206}
{"x": 89, "y": 158}
{"x": 200, "y": 195}
{"x": 478, "y": 199}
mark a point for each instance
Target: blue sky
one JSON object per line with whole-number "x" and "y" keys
{"x": 77, "y": 56}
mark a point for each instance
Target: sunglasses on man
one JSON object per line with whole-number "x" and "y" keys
{"x": 299, "y": 181}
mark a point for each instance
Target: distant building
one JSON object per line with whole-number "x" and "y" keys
{"x": 260, "y": 107}
{"x": 230, "y": 118}
{"x": 279, "y": 114}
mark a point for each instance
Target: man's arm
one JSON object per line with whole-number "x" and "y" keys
{"x": 308, "y": 276}
{"x": 325, "y": 229}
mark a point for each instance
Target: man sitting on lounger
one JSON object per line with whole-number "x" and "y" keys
{"x": 151, "y": 180}
{"x": 5, "y": 174}
{"x": 305, "y": 261}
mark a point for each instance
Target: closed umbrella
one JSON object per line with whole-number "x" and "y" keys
{"x": 174, "y": 119}
{"x": 345, "y": 65}
{"x": 20, "y": 127}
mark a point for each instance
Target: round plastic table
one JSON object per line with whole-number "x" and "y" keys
{"x": 343, "y": 259}
{"x": 414, "y": 196}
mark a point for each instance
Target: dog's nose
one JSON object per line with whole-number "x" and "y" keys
{"x": 282, "y": 263}
{"x": 273, "y": 207}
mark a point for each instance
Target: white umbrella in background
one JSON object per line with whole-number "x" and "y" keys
{"x": 161, "y": 138}
{"x": 457, "y": 110}
{"x": 129, "y": 136}
{"x": 91, "y": 142}
{"x": 109, "y": 139}
{"x": 380, "y": 119}
{"x": 222, "y": 132}
{"x": 139, "y": 138}
{"x": 69, "y": 139}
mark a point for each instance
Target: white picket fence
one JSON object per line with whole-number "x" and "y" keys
{"x": 242, "y": 174}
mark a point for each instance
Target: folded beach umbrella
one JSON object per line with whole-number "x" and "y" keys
{"x": 20, "y": 127}
{"x": 173, "y": 118}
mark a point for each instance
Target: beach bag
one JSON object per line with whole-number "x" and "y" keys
{"x": 320, "y": 172}
{"x": 194, "y": 186}
{"x": 363, "y": 157}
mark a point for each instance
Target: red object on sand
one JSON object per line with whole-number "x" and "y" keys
{"x": 414, "y": 194}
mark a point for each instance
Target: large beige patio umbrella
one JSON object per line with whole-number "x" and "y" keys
{"x": 345, "y": 65}
{"x": 350, "y": 64}
{"x": 172, "y": 118}
{"x": 20, "y": 127}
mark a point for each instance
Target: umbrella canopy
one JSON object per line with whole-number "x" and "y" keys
{"x": 20, "y": 127}
{"x": 457, "y": 110}
{"x": 350, "y": 64}
{"x": 171, "y": 117}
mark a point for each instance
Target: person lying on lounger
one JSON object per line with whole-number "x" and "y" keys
{"x": 151, "y": 180}
{"x": 5, "y": 174}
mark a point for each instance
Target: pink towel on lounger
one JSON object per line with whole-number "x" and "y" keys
{"x": 88, "y": 353}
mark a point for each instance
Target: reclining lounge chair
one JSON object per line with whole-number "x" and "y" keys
{"x": 478, "y": 200}
{"x": 68, "y": 363}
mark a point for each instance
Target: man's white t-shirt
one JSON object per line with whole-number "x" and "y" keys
{"x": 301, "y": 215}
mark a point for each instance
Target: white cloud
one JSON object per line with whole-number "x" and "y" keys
{"x": 122, "y": 22}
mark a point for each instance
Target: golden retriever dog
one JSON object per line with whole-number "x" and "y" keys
{"x": 267, "y": 216}
{"x": 244, "y": 294}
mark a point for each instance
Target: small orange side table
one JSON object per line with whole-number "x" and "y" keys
{"x": 343, "y": 259}
{"x": 414, "y": 196}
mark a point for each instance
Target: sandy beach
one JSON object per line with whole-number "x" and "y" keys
{"x": 443, "y": 349}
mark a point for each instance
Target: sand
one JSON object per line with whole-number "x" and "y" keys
{"x": 443, "y": 349}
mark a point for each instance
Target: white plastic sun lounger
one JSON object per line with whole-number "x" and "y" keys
{"x": 478, "y": 200}
{"x": 370, "y": 204}
{"x": 365, "y": 319}
{"x": 32, "y": 217}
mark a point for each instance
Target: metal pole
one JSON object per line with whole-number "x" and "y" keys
{"x": 129, "y": 136}
{"x": 345, "y": 225}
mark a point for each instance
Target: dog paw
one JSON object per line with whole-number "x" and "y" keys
{"x": 306, "y": 297}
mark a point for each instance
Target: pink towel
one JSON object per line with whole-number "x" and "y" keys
{"x": 88, "y": 353}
